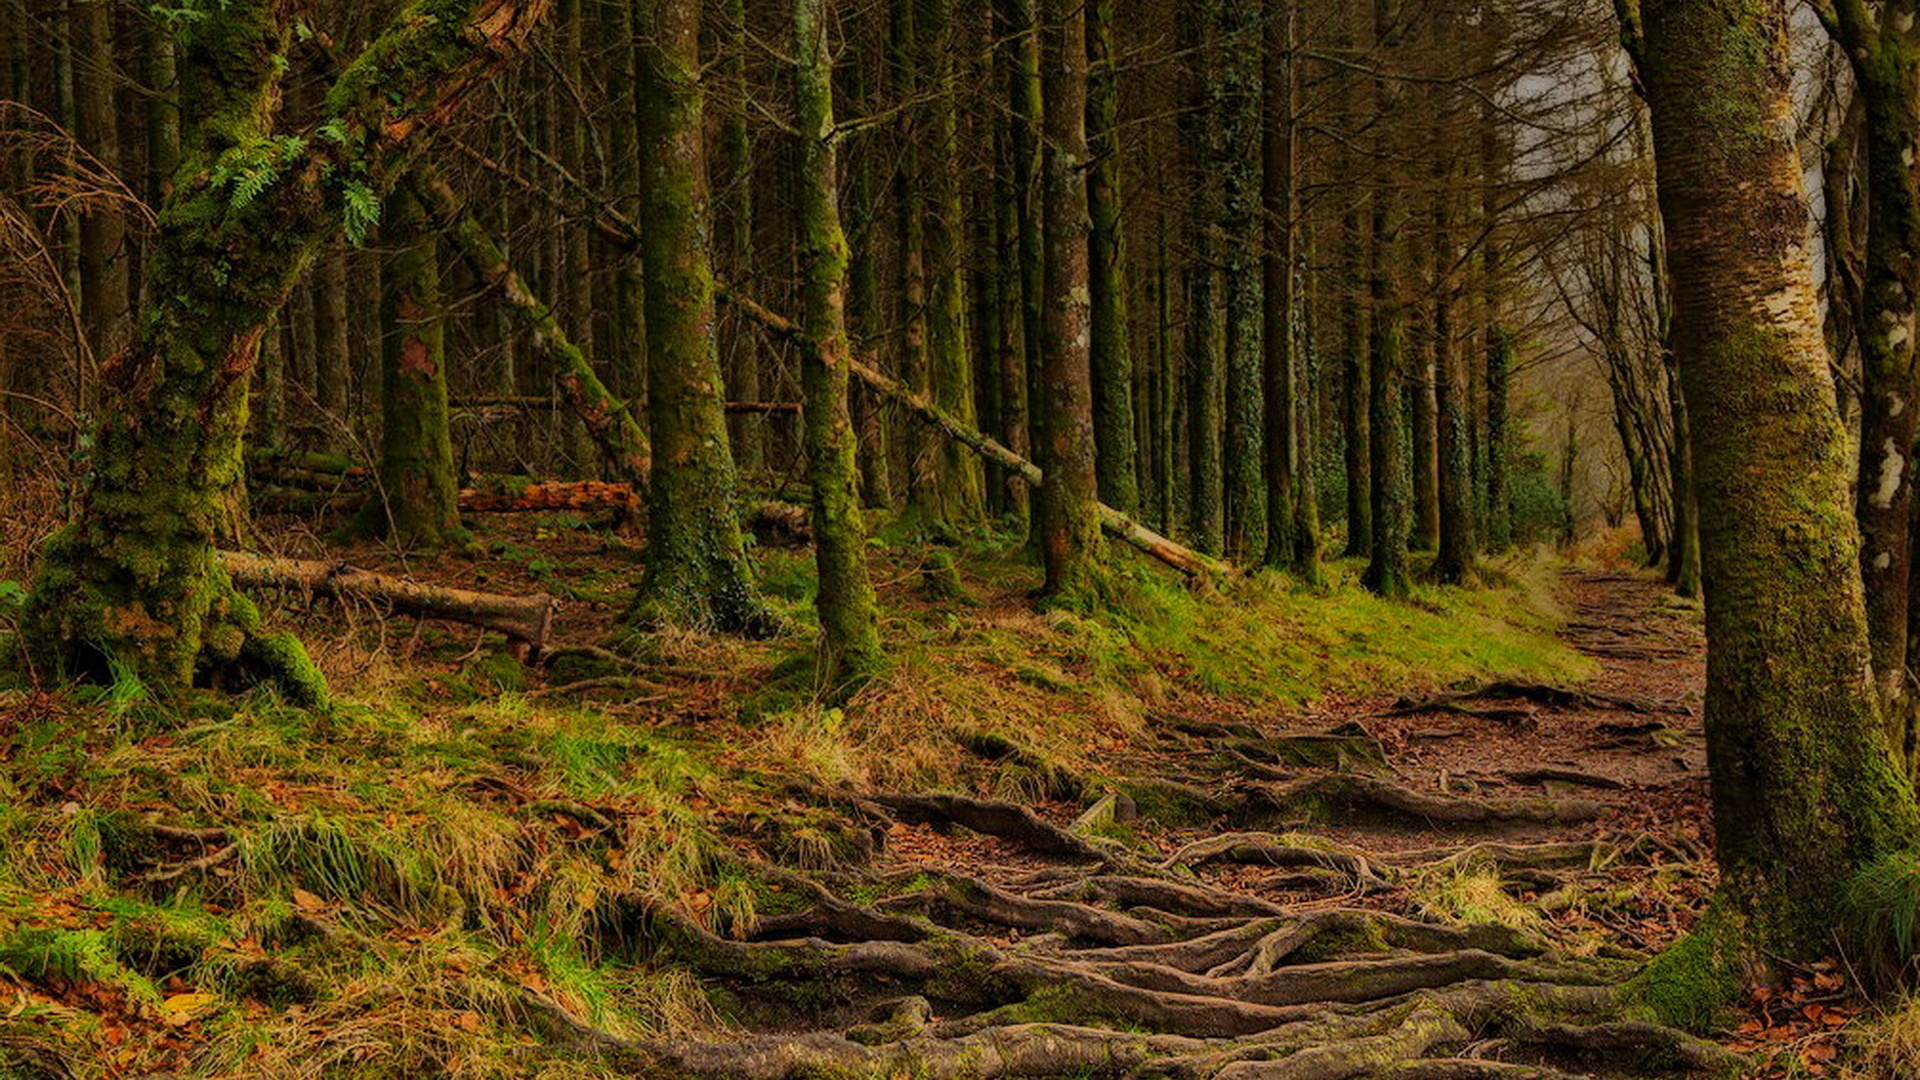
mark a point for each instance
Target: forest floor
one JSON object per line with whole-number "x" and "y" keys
{"x": 1280, "y": 834}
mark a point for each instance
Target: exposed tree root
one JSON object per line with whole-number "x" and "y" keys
{"x": 1270, "y": 850}
{"x": 1008, "y": 821}
{"x": 1555, "y": 697}
{"x": 1342, "y": 797}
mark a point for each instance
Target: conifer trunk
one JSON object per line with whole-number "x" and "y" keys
{"x": 960, "y": 483}
{"x": 1291, "y": 545}
{"x": 1113, "y": 412}
{"x": 849, "y": 630}
{"x": 1204, "y": 330}
{"x": 1805, "y": 788}
{"x": 1069, "y": 505}
{"x": 697, "y": 572}
{"x": 418, "y": 501}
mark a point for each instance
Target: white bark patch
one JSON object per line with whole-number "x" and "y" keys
{"x": 1893, "y": 465}
{"x": 1883, "y": 560}
{"x": 1895, "y": 405}
{"x": 1898, "y": 336}
{"x": 1903, "y": 21}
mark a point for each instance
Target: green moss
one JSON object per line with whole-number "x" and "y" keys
{"x": 1694, "y": 983}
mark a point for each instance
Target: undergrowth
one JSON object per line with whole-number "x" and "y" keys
{"x": 227, "y": 887}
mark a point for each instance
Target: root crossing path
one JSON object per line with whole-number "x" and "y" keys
{"x": 1444, "y": 888}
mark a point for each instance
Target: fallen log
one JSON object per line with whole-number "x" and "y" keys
{"x": 610, "y": 422}
{"x": 1117, "y": 524}
{"x": 525, "y": 620}
{"x": 557, "y": 495}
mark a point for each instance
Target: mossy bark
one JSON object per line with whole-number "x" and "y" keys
{"x": 918, "y": 448}
{"x": 1205, "y": 350}
{"x": 1292, "y": 543}
{"x": 871, "y": 422}
{"x": 1236, "y": 159}
{"x": 1885, "y": 52}
{"x": 1386, "y": 571}
{"x": 1499, "y": 361}
{"x": 960, "y": 486}
{"x": 133, "y": 584}
{"x": 697, "y": 572}
{"x": 849, "y": 630}
{"x": 1069, "y": 506}
{"x": 735, "y": 178}
{"x": 1805, "y": 787}
{"x": 418, "y": 503}
{"x": 1113, "y": 419}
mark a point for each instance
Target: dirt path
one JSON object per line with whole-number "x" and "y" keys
{"x": 1447, "y": 888}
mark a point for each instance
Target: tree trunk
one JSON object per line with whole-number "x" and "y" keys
{"x": 849, "y": 626}
{"x": 1204, "y": 346}
{"x": 1499, "y": 360}
{"x": 920, "y": 449}
{"x": 1113, "y": 420}
{"x": 863, "y": 305}
{"x": 1454, "y": 563}
{"x": 1023, "y": 105}
{"x": 1386, "y": 572}
{"x": 735, "y": 234}
{"x": 960, "y": 486}
{"x": 1885, "y": 53}
{"x": 697, "y": 572}
{"x": 133, "y": 586}
{"x": 1288, "y": 547}
{"x": 1069, "y": 505}
{"x": 417, "y": 503}
{"x": 1805, "y": 789}
{"x": 105, "y": 300}
{"x": 1236, "y": 159}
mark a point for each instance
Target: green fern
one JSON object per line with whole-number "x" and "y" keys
{"x": 362, "y": 211}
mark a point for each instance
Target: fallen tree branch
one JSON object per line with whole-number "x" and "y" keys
{"x": 1117, "y": 524}
{"x": 525, "y": 620}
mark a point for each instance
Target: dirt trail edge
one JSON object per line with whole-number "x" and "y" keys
{"x": 1445, "y": 888}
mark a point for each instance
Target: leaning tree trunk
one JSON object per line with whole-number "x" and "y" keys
{"x": 697, "y": 572}
{"x": 133, "y": 584}
{"x": 1069, "y": 506}
{"x": 849, "y": 629}
{"x": 418, "y": 501}
{"x": 1804, "y": 787}
{"x": 1885, "y": 52}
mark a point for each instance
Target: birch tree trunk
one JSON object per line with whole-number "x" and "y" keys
{"x": 1805, "y": 788}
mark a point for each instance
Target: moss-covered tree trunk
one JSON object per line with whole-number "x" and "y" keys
{"x": 919, "y": 447}
{"x": 133, "y": 585}
{"x": 1069, "y": 505}
{"x": 1113, "y": 412}
{"x": 1236, "y": 159}
{"x": 418, "y": 504}
{"x": 1291, "y": 543}
{"x": 1804, "y": 785}
{"x": 1499, "y": 364}
{"x": 697, "y": 572}
{"x": 1204, "y": 346}
{"x": 960, "y": 484}
{"x": 870, "y": 420}
{"x": 849, "y": 629}
{"x": 105, "y": 257}
{"x": 1457, "y": 547}
{"x": 736, "y": 254}
{"x": 1386, "y": 572}
{"x": 1884, "y": 48}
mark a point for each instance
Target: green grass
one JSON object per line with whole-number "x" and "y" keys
{"x": 410, "y": 861}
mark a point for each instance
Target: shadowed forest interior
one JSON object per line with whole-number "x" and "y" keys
{"x": 872, "y": 539}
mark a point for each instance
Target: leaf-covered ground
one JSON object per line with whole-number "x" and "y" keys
{"x": 1388, "y": 819}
